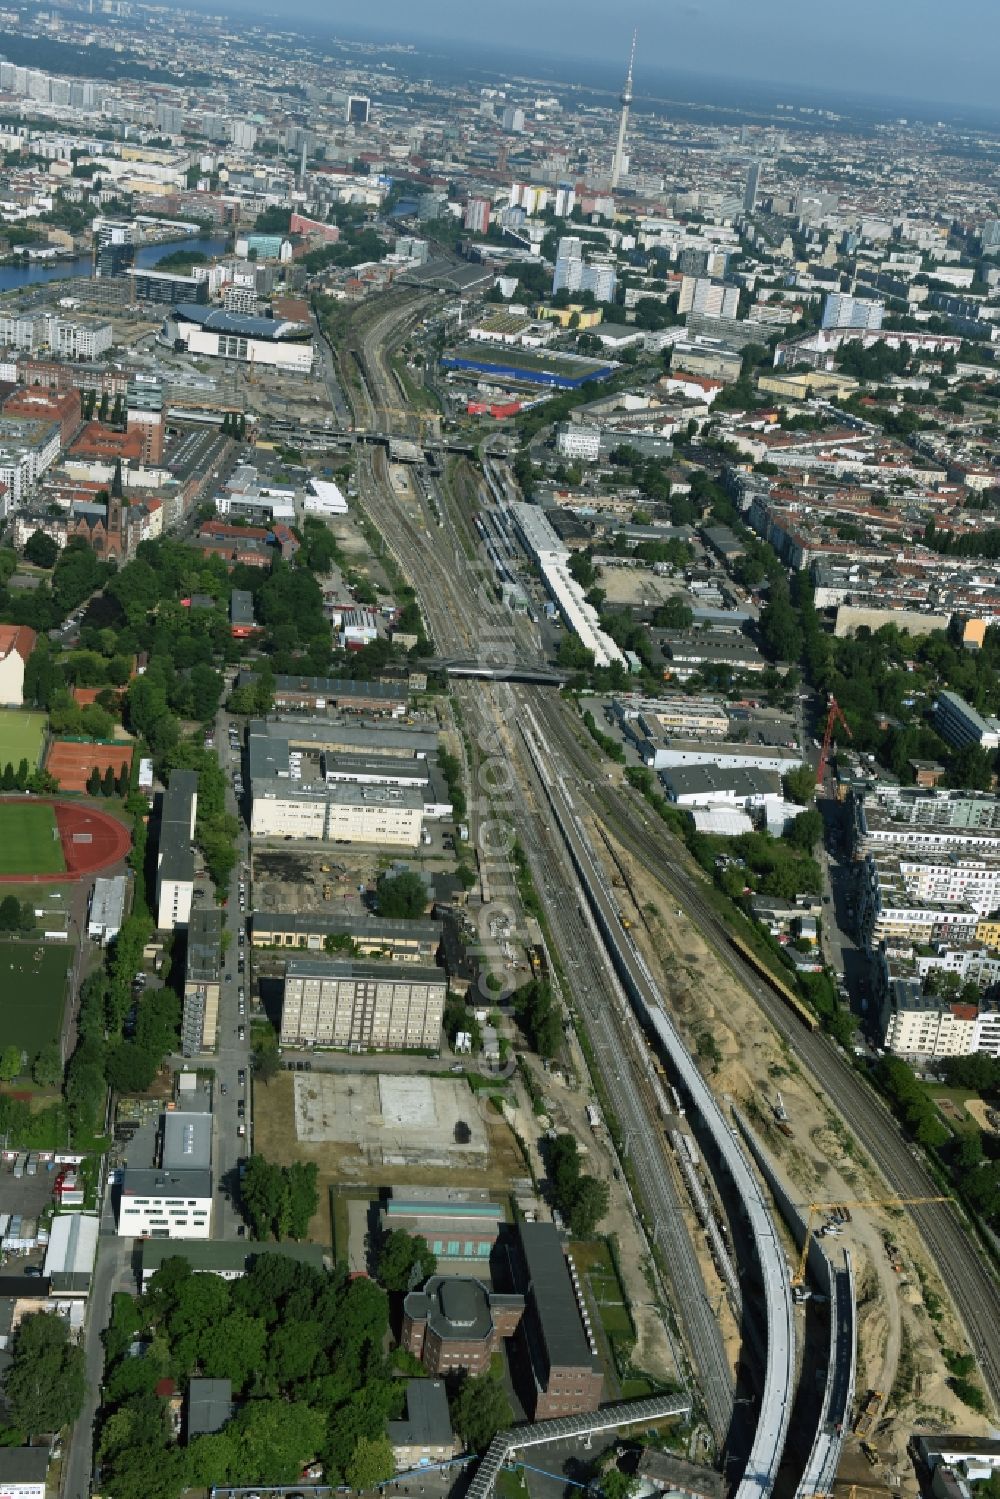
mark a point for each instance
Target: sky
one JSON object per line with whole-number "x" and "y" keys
{"x": 909, "y": 49}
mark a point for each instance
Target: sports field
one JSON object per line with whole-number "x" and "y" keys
{"x": 20, "y": 737}
{"x": 33, "y": 977}
{"x": 29, "y": 839}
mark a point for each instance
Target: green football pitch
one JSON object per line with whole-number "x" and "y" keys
{"x": 20, "y": 737}
{"x": 29, "y": 839}
{"x": 33, "y": 976}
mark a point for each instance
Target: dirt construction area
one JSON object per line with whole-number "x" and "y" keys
{"x": 905, "y": 1318}
{"x": 393, "y": 1119}
{"x": 350, "y": 1163}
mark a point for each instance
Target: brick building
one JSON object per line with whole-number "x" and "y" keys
{"x": 561, "y": 1351}
{"x": 456, "y": 1323}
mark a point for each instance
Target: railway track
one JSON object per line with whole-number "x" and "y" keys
{"x": 601, "y": 1005}
{"x": 945, "y": 1232}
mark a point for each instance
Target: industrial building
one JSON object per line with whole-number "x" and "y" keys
{"x": 300, "y": 793}
{"x": 372, "y": 936}
{"x": 107, "y": 908}
{"x": 557, "y": 1341}
{"x": 175, "y": 854}
{"x": 162, "y": 1204}
{"x": 333, "y": 735}
{"x": 663, "y": 752}
{"x": 174, "y": 1200}
{"x": 389, "y": 816}
{"x": 228, "y": 335}
{"x": 354, "y": 1006}
{"x": 71, "y": 1253}
{"x": 229, "y": 1259}
{"x": 544, "y": 547}
{"x": 458, "y": 1224}
{"x": 317, "y": 694}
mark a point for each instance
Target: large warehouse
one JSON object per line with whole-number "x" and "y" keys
{"x": 337, "y": 797}
{"x": 354, "y": 1006}
{"x": 228, "y": 335}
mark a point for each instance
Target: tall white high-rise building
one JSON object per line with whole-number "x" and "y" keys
{"x": 713, "y": 298}
{"x": 843, "y": 311}
{"x": 571, "y": 274}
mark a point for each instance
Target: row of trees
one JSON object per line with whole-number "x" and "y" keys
{"x": 581, "y": 1199}
{"x": 108, "y": 784}
{"x": 538, "y": 1016}
{"x": 234, "y": 424}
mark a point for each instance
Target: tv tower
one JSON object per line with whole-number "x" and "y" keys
{"x": 626, "y": 98}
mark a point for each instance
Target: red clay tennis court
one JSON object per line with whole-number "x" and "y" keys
{"x": 91, "y": 841}
{"x": 71, "y": 761}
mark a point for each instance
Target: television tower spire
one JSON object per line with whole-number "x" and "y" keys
{"x": 626, "y": 100}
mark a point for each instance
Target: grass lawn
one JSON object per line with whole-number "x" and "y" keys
{"x": 20, "y": 737}
{"x": 33, "y": 978}
{"x": 29, "y": 840}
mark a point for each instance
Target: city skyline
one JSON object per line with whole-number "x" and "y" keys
{"x": 774, "y": 44}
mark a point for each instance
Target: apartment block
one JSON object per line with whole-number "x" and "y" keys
{"x": 960, "y": 724}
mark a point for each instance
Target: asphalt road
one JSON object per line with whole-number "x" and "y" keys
{"x": 232, "y": 1054}
{"x": 112, "y": 1273}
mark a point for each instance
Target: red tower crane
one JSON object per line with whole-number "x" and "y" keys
{"x": 833, "y": 717}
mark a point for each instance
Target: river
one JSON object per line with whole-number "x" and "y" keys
{"x": 35, "y": 273}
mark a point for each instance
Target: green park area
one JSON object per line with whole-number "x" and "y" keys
{"x": 29, "y": 839}
{"x": 20, "y": 737}
{"x": 33, "y": 979}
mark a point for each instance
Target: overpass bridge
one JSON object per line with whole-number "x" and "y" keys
{"x": 646, "y": 1412}
{"x": 535, "y": 673}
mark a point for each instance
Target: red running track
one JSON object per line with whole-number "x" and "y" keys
{"x": 108, "y": 841}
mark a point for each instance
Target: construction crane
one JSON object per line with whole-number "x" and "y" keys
{"x": 833, "y": 717}
{"x": 798, "y": 1279}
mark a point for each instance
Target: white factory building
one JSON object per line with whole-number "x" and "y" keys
{"x": 174, "y": 1200}
{"x": 219, "y": 334}
{"x": 341, "y": 812}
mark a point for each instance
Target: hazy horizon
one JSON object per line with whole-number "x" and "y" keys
{"x": 894, "y": 50}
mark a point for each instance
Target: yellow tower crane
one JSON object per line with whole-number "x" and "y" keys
{"x": 815, "y": 1208}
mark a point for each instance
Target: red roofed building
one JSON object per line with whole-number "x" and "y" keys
{"x": 101, "y": 442}
{"x": 16, "y": 644}
{"x": 38, "y": 404}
